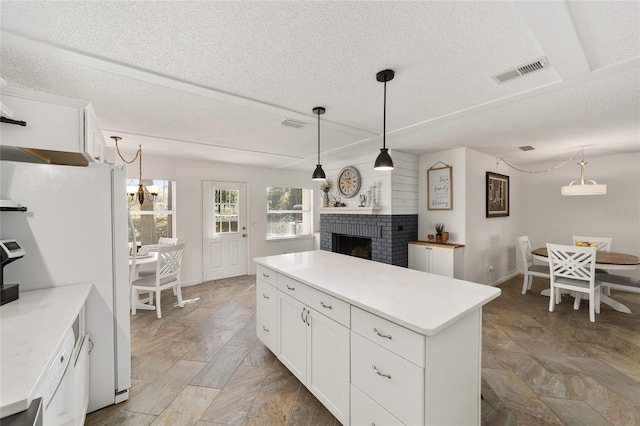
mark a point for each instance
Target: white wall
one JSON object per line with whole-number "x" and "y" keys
{"x": 548, "y": 217}
{"x": 397, "y": 189}
{"x": 485, "y": 239}
{"x": 189, "y": 175}
{"x": 454, "y": 220}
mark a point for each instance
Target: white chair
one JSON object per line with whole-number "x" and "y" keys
{"x": 574, "y": 268}
{"x": 530, "y": 270}
{"x": 602, "y": 243}
{"x": 167, "y": 276}
{"x": 166, "y": 241}
{"x": 162, "y": 241}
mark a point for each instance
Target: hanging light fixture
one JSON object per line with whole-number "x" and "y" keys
{"x": 384, "y": 161}
{"x": 318, "y": 173}
{"x": 153, "y": 190}
{"x": 584, "y": 187}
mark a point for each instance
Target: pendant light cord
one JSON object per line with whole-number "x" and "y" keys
{"x": 538, "y": 171}
{"x": 384, "y": 117}
{"x": 318, "y": 137}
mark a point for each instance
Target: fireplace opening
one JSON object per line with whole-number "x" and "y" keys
{"x": 353, "y": 246}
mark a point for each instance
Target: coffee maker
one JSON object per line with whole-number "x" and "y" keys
{"x": 10, "y": 251}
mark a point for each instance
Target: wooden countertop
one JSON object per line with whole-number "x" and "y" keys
{"x": 444, "y": 245}
{"x": 425, "y": 303}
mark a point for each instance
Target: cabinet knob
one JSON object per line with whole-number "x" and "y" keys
{"x": 387, "y": 375}
{"x": 386, "y": 336}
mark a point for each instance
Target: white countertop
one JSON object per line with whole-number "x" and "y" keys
{"x": 31, "y": 332}
{"x": 423, "y": 302}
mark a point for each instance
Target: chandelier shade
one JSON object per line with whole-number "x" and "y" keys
{"x": 583, "y": 187}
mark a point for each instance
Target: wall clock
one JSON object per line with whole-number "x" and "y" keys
{"x": 349, "y": 181}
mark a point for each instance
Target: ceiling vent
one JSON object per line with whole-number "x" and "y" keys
{"x": 526, "y": 148}
{"x": 293, "y": 123}
{"x": 537, "y": 65}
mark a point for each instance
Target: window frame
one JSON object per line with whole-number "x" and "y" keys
{"x": 309, "y": 212}
{"x": 169, "y": 212}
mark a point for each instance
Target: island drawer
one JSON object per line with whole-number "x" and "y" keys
{"x": 267, "y": 275}
{"x": 267, "y": 331}
{"x": 267, "y": 299}
{"x": 399, "y": 340}
{"x": 330, "y": 306}
{"x": 365, "y": 411}
{"x": 391, "y": 381}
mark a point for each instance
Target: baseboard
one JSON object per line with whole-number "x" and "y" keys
{"x": 503, "y": 279}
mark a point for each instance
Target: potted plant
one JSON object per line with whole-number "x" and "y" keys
{"x": 325, "y": 187}
{"x": 439, "y": 227}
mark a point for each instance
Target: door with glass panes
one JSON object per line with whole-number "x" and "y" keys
{"x": 224, "y": 248}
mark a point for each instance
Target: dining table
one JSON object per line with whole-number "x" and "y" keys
{"x": 608, "y": 260}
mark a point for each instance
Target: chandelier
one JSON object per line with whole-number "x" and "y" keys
{"x": 583, "y": 187}
{"x": 152, "y": 190}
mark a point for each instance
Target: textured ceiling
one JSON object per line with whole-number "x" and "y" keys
{"x": 214, "y": 80}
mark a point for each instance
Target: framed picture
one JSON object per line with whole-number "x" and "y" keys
{"x": 439, "y": 188}
{"x": 497, "y": 195}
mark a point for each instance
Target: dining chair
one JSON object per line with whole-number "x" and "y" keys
{"x": 574, "y": 268}
{"x": 167, "y": 276}
{"x": 162, "y": 241}
{"x": 602, "y": 243}
{"x": 530, "y": 270}
{"x": 166, "y": 241}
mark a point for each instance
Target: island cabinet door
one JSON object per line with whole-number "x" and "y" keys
{"x": 328, "y": 364}
{"x": 293, "y": 335}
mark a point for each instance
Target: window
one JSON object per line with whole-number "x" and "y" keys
{"x": 289, "y": 212}
{"x": 153, "y": 219}
{"x": 226, "y": 210}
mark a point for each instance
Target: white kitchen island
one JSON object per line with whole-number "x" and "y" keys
{"x": 375, "y": 343}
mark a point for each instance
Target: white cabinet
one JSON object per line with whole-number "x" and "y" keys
{"x": 440, "y": 259}
{"x": 267, "y": 309}
{"x": 315, "y": 349}
{"x": 53, "y": 123}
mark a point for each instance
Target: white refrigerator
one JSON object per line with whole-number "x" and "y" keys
{"x": 76, "y": 230}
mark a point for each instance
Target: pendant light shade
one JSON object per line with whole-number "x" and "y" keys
{"x": 384, "y": 161}
{"x": 318, "y": 173}
{"x": 583, "y": 187}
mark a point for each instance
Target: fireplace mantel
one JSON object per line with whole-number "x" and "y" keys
{"x": 349, "y": 210}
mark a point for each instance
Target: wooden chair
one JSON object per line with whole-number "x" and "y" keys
{"x": 574, "y": 268}
{"x": 530, "y": 270}
{"x": 167, "y": 276}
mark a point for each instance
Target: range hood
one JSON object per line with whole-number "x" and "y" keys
{"x": 42, "y": 156}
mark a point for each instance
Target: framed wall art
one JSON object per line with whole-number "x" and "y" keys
{"x": 439, "y": 188}
{"x": 497, "y": 195}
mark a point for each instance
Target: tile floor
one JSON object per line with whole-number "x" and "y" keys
{"x": 202, "y": 364}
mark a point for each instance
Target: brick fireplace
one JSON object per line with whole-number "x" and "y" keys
{"x": 389, "y": 234}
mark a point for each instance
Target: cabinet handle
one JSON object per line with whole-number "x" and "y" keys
{"x": 387, "y": 375}
{"x": 265, "y": 296}
{"x": 325, "y": 306}
{"x": 265, "y": 275}
{"x": 265, "y": 328}
{"x": 290, "y": 288}
{"x": 306, "y": 318}
{"x": 302, "y": 314}
{"x": 386, "y": 336}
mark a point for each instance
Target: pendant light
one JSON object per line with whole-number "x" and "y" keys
{"x": 588, "y": 187}
{"x": 384, "y": 161}
{"x": 318, "y": 173}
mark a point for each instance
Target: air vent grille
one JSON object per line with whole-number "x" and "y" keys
{"x": 537, "y": 65}
{"x": 293, "y": 123}
{"x": 526, "y": 148}
{"x": 511, "y": 259}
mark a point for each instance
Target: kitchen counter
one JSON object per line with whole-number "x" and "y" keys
{"x": 422, "y": 302}
{"x": 31, "y": 332}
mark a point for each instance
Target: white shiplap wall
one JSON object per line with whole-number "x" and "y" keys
{"x": 397, "y": 190}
